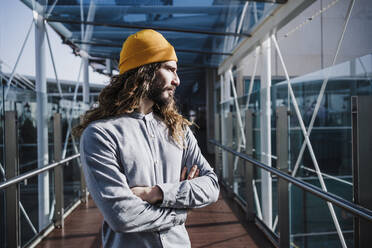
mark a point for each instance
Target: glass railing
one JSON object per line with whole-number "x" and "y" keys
{"x": 23, "y": 103}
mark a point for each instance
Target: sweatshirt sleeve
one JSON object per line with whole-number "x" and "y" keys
{"x": 195, "y": 193}
{"x": 122, "y": 210}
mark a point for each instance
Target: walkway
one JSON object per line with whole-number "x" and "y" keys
{"x": 212, "y": 226}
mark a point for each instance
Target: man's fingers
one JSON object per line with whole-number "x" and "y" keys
{"x": 192, "y": 172}
{"x": 197, "y": 173}
{"x": 183, "y": 173}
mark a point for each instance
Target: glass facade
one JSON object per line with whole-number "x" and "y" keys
{"x": 324, "y": 75}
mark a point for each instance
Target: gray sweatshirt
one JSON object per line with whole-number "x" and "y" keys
{"x": 136, "y": 150}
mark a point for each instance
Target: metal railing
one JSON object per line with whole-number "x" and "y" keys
{"x": 35, "y": 172}
{"x": 332, "y": 198}
{"x": 12, "y": 190}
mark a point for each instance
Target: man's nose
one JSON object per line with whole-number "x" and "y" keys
{"x": 176, "y": 80}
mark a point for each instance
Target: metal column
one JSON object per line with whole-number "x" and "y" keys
{"x": 58, "y": 172}
{"x": 362, "y": 169}
{"x": 85, "y": 56}
{"x": 265, "y": 121}
{"x": 12, "y": 170}
{"x": 217, "y": 150}
{"x": 210, "y": 91}
{"x": 42, "y": 120}
{"x": 83, "y": 185}
{"x": 86, "y": 80}
{"x": 282, "y": 164}
{"x": 230, "y": 157}
{"x": 249, "y": 167}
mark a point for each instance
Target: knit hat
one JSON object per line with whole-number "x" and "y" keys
{"x": 145, "y": 47}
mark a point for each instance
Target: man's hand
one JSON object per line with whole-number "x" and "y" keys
{"x": 154, "y": 194}
{"x": 194, "y": 172}
{"x": 150, "y": 194}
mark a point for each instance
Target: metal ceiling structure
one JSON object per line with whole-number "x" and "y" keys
{"x": 199, "y": 30}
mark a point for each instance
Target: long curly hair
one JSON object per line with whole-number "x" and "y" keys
{"x": 123, "y": 96}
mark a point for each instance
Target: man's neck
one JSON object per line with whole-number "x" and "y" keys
{"x": 145, "y": 106}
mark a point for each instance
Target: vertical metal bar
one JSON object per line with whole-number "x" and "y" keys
{"x": 210, "y": 96}
{"x": 217, "y": 151}
{"x": 230, "y": 157}
{"x": 265, "y": 124}
{"x": 249, "y": 167}
{"x": 282, "y": 164}
{"x": 109, "y": 66}
{"x": 355, "y": 162}
{"x": 362, "y": 171}
{"x": 42, "y": 120}
{"x": 87, "y": 36}
{"x": 83, "y": 185}
{"x": 85, "y": 80}
{"x": 12, "y": 170}
{"x": 223, "y": 110}
{"x": 58, "y": 172}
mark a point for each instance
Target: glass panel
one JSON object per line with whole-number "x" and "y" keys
{"x": 71, "y": 172}
{"x": 331, "y": 142}
{"x": 27, "y": 145}
{"x": 317, "y": 230}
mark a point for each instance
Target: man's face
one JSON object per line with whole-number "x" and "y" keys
{"x": 163, "y": 88}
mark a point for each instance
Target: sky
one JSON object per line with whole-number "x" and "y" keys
{"x": 15, "y": 20}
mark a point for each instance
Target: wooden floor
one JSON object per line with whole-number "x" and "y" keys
{"x": 212, "y": 226}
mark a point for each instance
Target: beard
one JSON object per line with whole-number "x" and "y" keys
{"x": 155, "y": 93}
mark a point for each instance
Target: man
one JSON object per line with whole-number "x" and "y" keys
{"x": 136, "y": 151}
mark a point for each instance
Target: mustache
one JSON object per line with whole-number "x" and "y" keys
{"x": 170, "y": 88}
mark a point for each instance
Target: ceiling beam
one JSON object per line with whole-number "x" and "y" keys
{"x": 180, "y": 65}
{"x": 117, "y": 10}
{"x": 177, "y": 50}
{"x": 133, "y": 26}
{"x": 269, "y": 1}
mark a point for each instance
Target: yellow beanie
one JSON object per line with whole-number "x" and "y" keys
{"x": 145, "y": 47}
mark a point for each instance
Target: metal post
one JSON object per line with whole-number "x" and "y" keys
{"x": 265, "y": 122}
{"x": 230, "y": 157}
{"x": 87, "y": 36}
{"x": 108, "y": 66}
{"x": 282, "y": 164}
{"x": 362, "y": 171}
{"x": 85, "y": 80}
{"x": 83, "y": 185}
{"x": 42, "y": 120}
{"x": 12, "y": 170}
{"x": 210, "y": 91}
{"x": 249, "y": 167}
{"x": 58, "y": 172}
{"x": 217, "y": 151}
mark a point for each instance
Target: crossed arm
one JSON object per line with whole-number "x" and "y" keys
{"x": 154, "y": 194}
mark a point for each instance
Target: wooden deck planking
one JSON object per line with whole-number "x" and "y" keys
{"x": 82, "y": 229}
{"x": 212, "y": 226}
{"x": 217, "y": 226}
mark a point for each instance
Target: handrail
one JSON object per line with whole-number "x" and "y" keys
{"x": 35, "y": 172}
{"x": 332, "y": 198}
